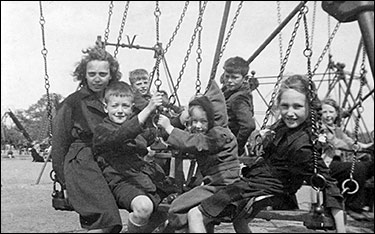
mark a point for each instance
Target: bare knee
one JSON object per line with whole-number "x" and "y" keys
{"x": 142, "y": 207}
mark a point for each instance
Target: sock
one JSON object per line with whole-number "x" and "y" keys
{"x": 134, "y": 227}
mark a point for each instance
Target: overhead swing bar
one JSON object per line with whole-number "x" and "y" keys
{"x": 276, "y": 31}
{"x": 221, "y": 37}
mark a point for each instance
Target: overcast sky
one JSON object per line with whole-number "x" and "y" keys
{"x": 73, "y": 26}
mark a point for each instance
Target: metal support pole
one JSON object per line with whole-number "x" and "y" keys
{"x": 221, "y": 37}
{"x": 366, "y": 24}
{"x": 44, "y": 166}
{"x": 352, "y": 75}
{"x": 276, "y": 31}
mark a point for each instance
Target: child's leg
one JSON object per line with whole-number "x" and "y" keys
{"x": 142, "y": 207}
{"x": 338, "y": 216}
{"x": 195, "y": 221}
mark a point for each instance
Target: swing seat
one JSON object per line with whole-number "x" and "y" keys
{"x": 310, "y": 220}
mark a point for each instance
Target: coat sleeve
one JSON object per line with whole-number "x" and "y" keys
{"x": 196, "y": 143}
{"x": 107, "y": 137}
{"x": 243, "y": 108}
{"x": 61, "y": 139}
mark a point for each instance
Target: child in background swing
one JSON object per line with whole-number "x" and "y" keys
{"x": 287, "y": 162}
{"x": 239, "y": 100}
{"x": 340, "y": 167}
{"x": 140, "y": 82}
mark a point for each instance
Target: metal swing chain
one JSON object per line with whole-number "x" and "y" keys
{"x": 355, "y": 146}
{"x": 157, "y": 81}
{"x": 282, "y": 68}
{"x": 186, "y": 58}
{"x": 224, "y": 44}
{"x": 326, "y": 48}
{"x": 177, "y": 27}
{"x": 313, "y": 25}
{"x": 280, "y": 34}
{"x": 199, "y": 53}
{"x": 46, "y": 77}
{"x": 312, "y": 96}
{"x": 317, "y": 181}
{"x": 161, "y": 55}
{"x": 106, "y": 31}
{"x": 125, "y": 14}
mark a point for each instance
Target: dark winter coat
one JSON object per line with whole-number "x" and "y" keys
{"x": 240, "y": 110}
{"x": 288, "y": 162}
{"x": 74, "y": 164}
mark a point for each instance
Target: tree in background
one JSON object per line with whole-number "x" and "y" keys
{"x": 34, "y": 120}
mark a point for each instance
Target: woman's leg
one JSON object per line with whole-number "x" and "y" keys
{"x": 85, "y": 180}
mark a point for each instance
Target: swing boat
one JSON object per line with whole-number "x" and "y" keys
{"x": 342, "y": 11}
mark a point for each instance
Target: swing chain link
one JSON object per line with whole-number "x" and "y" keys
{"x": 224, "y": 44}
{"x": 125, "y": 14}
{"x": 312, "y": 96}
{"x": 356, "y": 146}
{"x": 177, "y": 27}
{"x": 282, "y": 68}
{"x": 280, "y": 34}
{"x": 46, "y": 77}
{"x": 326, "y": 48}
{"x": 106, "y": 31}
{"x": 199, "y": 53}
{"x": 313, "y": 25}
{"x": 189, "y": 48}
{"x": 160, "y": 55}
{"x": 157, "y": 14}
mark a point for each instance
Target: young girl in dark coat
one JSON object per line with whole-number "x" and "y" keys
{"x": 286, "y": 164}
{"x": 214, "y": 146}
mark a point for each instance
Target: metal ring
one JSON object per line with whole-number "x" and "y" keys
{"x": 355, "y": 184}
{"x": 318, "y": 182}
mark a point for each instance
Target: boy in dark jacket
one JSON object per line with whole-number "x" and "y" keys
{"x": 239, "y": 100}
{"x": 119, "y": 145}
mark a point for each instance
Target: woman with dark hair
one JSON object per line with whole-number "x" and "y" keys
{"x": 72, "y": 159}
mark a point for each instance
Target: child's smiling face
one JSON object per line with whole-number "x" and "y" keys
{"x": 119, "y": 108}
{"x": 293, "y": 108}
{"x": 199, "y": 120}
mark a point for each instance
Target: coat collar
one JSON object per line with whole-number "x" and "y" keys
{"x": 291, "y": 134}
{"x": 91, "y": 99}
